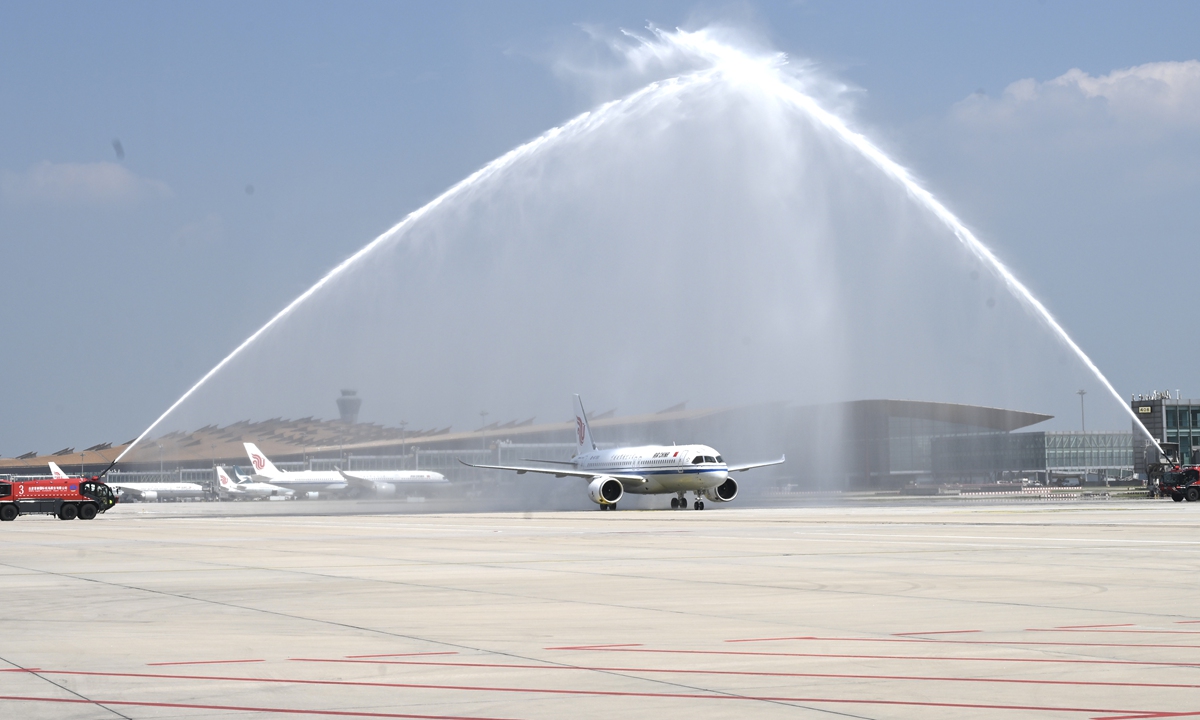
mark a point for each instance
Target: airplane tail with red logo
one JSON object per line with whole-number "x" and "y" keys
{"x": 583, "y": 433}
{"x": 227, "y": 484}
{"x": 57, "y": 472}
{"x": 262, "y": 465}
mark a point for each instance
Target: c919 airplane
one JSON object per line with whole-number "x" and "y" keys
{"x": 643, "y": 470}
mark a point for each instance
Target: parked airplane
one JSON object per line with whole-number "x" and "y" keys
{"x": 146, "y": 492}
{"x": 378, "y": 482}
{"x": 247, "y": 489}
{"x": 645, "y": 470}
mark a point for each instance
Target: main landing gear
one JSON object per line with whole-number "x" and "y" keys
{"x": 608, "y": 507}
{"x": 680, "y": 503}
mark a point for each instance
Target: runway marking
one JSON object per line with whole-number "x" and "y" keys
{"x": 596, "y": 647}
{"x": 203, "y": 662}
{"x": 242, "y": 708}
{"x": 935, "y": 632}
{"x": 1149, "y": 715}
{"x": 1117, "y": 630}
{"x": 847, "y": 656}
{"x": 933, "y": 641}
{"x": 1089, "y": 627}
{"x": 561, "y": 691}
{"x": 417, "y": 654}
{"x": 751, "y": 673}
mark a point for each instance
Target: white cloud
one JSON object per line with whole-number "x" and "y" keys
{"x": 1154, "y": 96}
{"x": 102, "y": 183}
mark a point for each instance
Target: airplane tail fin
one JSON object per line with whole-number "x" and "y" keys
{"x": 583, "y": 433}
{"x": 224, "y": 480}
{"x": 57, "y": 472}
{"x": 262, "y": 465}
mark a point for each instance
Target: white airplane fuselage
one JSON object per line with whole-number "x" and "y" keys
{"x": 156, "y": 491}
{"x": 666, "y": 468}
{"x": 332, "y": 479}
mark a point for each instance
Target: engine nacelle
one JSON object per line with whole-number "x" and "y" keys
{"x": 312, "y": 495}
{"x": 149, "y": 496}
{"x": 724, "y": 492}
{"x": 384, "y": 489}
{"x": 605, "y": 490}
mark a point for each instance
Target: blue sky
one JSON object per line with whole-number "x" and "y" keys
{"x": 125, "y": 279}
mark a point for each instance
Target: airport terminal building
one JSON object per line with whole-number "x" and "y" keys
{"x": 856, "y": 445}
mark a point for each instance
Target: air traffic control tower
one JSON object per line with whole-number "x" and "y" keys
{"x": 348, "y": 405}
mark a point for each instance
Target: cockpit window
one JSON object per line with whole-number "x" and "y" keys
{"x": 699, "y": 459}
{"x": 720, "y": 459}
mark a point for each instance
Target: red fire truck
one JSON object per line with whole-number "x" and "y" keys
{"x": 65, "y": 498}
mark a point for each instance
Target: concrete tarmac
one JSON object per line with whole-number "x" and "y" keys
{"x": 1086, "y": 610}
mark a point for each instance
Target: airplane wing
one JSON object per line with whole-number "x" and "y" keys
{"x": 125, "y": 490}
{"x": 561, "y": 472}
{"x": 357, "y": 482}
{"x": 751, "y": 466}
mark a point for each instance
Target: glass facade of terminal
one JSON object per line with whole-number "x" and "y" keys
{"x": 1036, "y": 454}
{"x": 910, "y": 441}
{"x": 1168, "y": 420}
{"x": 1183, "y": 427}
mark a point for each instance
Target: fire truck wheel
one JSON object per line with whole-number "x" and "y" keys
{"x": 87, "y": 511}
{"x": 68, "y": 512}
{"x": 1176, "y": 497}
{"x": 1193, "y": 494}
{"x": 9, "y": 512}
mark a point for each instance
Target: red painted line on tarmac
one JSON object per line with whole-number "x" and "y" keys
{"x": 204, "y": 662}
{"x": 1085, "y": 627}
{"x": 848, "y": 656}
{"x": 1186, "y": 622}
{"x": 555, "y": 691}
{"x": 238, "y": 708}
{"x": 932, "y": 641}
{"x": 770, "y": 639}
{"x": 752, "y": 673}
{"x": 594, "y": 647}
{"x": 1140, "y": 716}
{"x": 938, "y": 632}
{"x": 1117, "y": 630}
{"x": 353, "y": 657}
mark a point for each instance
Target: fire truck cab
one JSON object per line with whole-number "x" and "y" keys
{"x": 65, "y": 498}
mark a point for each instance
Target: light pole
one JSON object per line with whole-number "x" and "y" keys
{"x": 160, "y": 462}
{"x": 1082, "y": 417}
{"x": 80, "y": 464}
{"x": 482, "y": 424}
{"x": 403, "y": 424}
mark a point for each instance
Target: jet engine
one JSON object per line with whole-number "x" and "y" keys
{"x": 312, "y": 495}
{"x": 382, "y": 488}
{"x": 149, "y": 496}
{"x": 724, "y": 492}
{"x": 605, "y": 490}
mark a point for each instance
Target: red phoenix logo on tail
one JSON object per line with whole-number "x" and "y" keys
{"x": 579, "y": 428}
{"x": 258, "y": 461}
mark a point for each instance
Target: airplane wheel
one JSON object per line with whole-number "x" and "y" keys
{"x": 696, "y": 505}
{"x": 701, "y": 506}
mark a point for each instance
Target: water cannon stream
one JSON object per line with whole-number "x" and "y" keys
{"x": 717, "y": 62}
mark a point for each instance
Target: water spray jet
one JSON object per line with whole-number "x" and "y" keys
{"x": 720, "y": 63}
